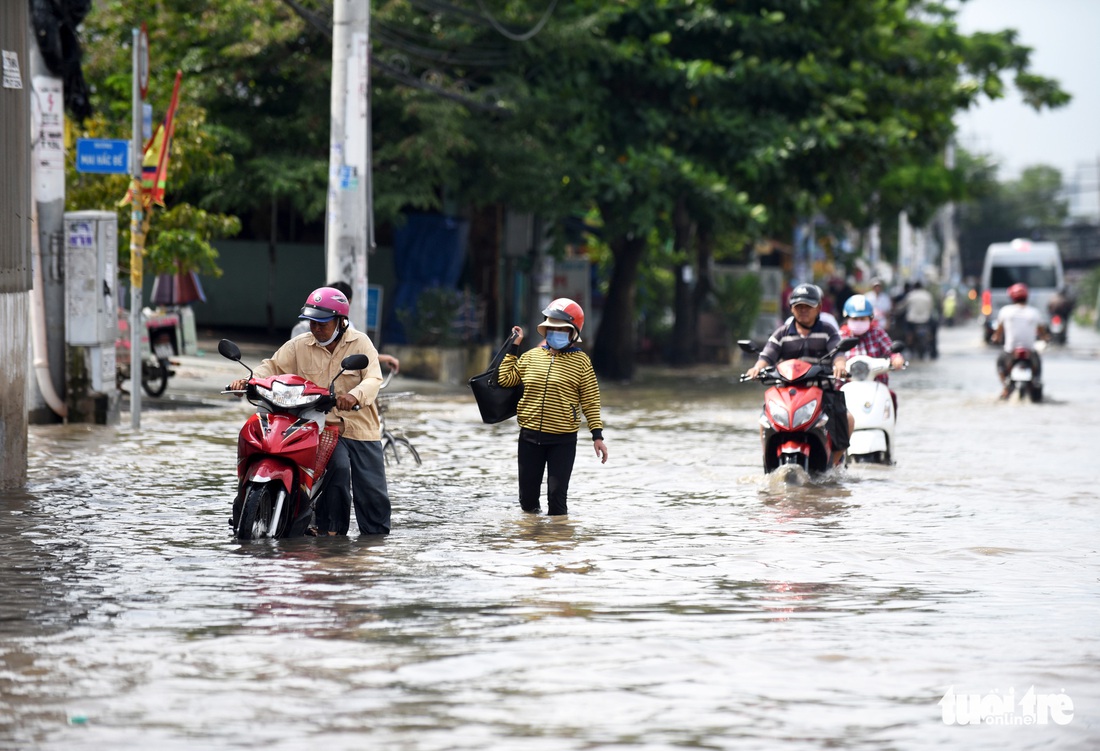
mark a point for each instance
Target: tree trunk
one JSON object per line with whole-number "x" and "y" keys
{"x": 613, "y": 352}
{"x": 685, "y": 340}
{"x": 704, "y": 249}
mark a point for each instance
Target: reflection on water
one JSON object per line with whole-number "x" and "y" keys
{"x": 688, "y": 601}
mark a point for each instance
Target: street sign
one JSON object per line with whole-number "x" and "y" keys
{"x": 143, "y": 61}
{"x": 374, "y": 310}
{"x": 105, "y": 156}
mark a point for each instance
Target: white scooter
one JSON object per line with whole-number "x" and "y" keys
{"x": 870, "y": 403}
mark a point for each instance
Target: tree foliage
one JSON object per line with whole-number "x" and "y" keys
{"x": 681, "y": 123}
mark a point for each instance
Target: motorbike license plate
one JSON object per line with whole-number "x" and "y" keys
{"x": 1021, "y": 373}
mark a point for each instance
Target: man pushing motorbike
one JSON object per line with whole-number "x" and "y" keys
{"x": 357, "y": 467}
{"x": 1019, "y": 326}
{"x": 806, "y": 336}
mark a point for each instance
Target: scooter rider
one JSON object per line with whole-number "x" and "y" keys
{"x": 1019, "y": 326}
{"x": 806, "y": 336}
{"x": 357, "y": 469}
{"x": 860, "y": 322}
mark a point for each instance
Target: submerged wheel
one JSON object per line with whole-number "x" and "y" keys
{"x": 794, "y": 460}
{"x": 257, "y": 513}
{"x": 154, "y": 378}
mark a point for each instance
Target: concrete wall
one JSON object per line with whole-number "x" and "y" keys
{"x": 15, "y": 234}
{"x": 252, "y": 288}
{"x": 14, "y": 345}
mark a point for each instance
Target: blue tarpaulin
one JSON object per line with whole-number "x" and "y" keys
{"x": 429, "y": 250}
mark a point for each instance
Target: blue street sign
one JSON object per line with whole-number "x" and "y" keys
{"x": 105, "y": 156}
{"x": 374, "y": 308}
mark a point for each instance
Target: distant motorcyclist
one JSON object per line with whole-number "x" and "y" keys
{"x": 1019, "y": 326}
{"x": 859, "y": 322}
{"x": 1061, "y": 304}
{"x": 805, "y": 335}
{"x": 919, "y": 309}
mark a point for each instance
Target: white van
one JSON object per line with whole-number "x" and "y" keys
{"x": 1036, "y": 264}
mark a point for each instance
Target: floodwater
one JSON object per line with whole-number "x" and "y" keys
{"x": 686, "y": 602}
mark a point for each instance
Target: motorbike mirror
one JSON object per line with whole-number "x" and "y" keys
{"x": 229, "y": 350}
{"x": 747, "y": 345}
{"x": 897, "y": 347}
{"x": 355, "y": 362}
{"x": 351, "y": 362}
{"x": 847, "y": 344}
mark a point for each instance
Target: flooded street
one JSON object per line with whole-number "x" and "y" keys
{"x": 686, "y": 602}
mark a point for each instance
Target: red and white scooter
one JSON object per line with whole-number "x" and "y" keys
{"x": 282, "y": 450}
{"x": 793, "y": 420}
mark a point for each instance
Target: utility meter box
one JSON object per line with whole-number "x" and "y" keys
{"x": 91, "y": 307}
{"x": 91, "y": 250}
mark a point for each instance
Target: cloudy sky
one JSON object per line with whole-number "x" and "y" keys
{"x": 1065, "y": 38}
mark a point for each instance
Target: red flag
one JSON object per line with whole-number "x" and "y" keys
{"x": 169, "y": 131}
{"x": 154, "y": 163}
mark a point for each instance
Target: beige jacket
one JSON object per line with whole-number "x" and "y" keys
{"x": 303, "y": 356}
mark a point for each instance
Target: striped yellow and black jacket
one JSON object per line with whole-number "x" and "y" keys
{"x": 557, "y": 388}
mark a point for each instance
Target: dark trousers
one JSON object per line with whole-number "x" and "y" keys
{"x": 553, "y": 455}
{"x": 834, "y": 406}
{"x": 1005, "y": 360}
{"x": 357, "y": 472}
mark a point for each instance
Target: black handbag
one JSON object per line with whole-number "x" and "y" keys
{"x": 495, "y": 402}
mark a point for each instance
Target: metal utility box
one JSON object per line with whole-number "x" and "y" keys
{"x": 91, "y": 309}
{"x": 91, "y": 250}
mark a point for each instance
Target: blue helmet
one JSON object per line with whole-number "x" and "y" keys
{"x": 858, "y": 306}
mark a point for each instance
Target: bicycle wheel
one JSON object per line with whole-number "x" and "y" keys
{"x": 396, "y": 447}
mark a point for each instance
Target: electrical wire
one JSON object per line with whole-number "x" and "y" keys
{"x": 518, "y": 37}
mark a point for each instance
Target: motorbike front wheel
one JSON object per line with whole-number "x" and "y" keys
{"x": 796, "y": 460}
{"x": 257, "y": 513}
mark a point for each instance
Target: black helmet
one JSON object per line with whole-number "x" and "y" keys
{"x": 806, "y": 294}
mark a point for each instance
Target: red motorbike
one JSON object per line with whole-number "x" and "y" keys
{"x": 794, "y": 419}
{"x": 282, "y": 450}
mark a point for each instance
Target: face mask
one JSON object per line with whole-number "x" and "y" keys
{"x": 859, "y": 328}
{"x": 335, "y": 333}
{"x": 558, "y": 339}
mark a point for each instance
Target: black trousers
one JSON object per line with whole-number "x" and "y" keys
{"x": 357, "y": 474}
{"x": 1005, "y": 360}
{"x": 834, "y": 406}
{"x": 550, "y": 454}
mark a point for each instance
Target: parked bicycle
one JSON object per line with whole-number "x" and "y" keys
{"x": 394, "y": 445}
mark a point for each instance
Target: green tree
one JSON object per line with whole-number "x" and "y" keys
{"x": 1033, "y": 205}
{"x": 181, "y": 235}
{"x": 762, "y": 111}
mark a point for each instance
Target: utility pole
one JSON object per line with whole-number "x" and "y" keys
{"x": 349, "y": 230}
{"x": 950, "y": 266}
{"x": 137, "y": 238}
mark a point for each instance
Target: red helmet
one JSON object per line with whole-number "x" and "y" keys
{"x": 324, "y": 304}
{"x": 1018, "y": 292}
{"x": 561, "y": 313}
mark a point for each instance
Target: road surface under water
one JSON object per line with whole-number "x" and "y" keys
{"x": 688, "y": 601}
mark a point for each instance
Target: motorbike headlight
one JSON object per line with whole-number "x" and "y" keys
{"x": 778, "y": 412}
{"x": 282, "y": 395}
{"x": 859, "y": 371}
{"x": 803, "y": 414}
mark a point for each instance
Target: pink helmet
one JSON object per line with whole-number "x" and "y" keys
{"x": 324, "y": 304}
